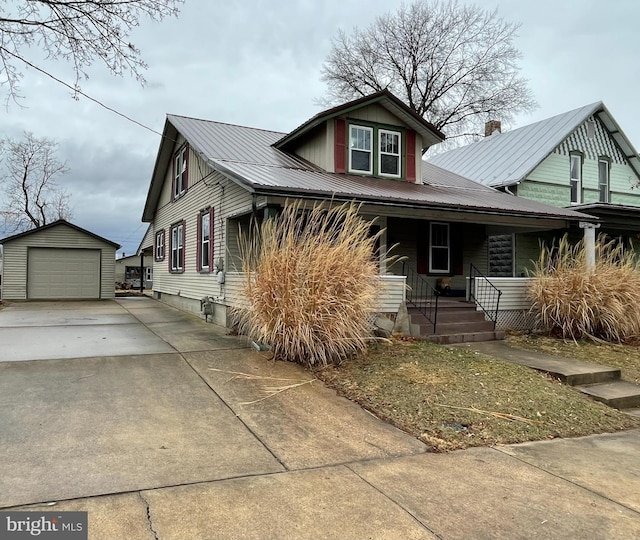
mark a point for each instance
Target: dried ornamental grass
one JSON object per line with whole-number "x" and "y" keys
{"x": 311, "y": 282}
{"x": 601, "y": 303}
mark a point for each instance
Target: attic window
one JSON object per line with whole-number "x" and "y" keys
{"x": 591, "y": 129}
{"x": 389, "y": 153}
{"x": 360, "y": 149}
{"x": 180, "y": 171}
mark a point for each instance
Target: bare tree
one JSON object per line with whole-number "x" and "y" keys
{"x": 455, "y": 65}
{"x": 33, "y": 197}
{"x": 77, "y": 31}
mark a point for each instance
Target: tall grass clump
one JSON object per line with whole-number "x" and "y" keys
{"x": 601, "y": 303}
{"x": 311, "y": 280}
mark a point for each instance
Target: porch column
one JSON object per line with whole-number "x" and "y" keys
{"x": 590, "y": 243}
{"x": 382, "y": 220}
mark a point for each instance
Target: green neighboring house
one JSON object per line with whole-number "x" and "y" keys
{"x": 580, "y": 159}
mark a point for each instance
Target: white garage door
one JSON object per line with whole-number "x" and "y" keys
{"x": 63, "y": 274}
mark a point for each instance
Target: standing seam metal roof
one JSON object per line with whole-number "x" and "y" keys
{"x": 506, "y": 158}
{"x": 246, "y": 155}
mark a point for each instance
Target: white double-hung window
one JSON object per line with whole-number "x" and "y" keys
{"x": 177, "y": 248}
{"x": 361, "y": 149}
{"x": 439, "y": 247}
{"x": 389, "y": 156}
{"x": 603, "y": 179}
{"x": 576, "y": 178}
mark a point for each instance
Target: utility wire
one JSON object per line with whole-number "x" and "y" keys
{"x": 78, "y": 91}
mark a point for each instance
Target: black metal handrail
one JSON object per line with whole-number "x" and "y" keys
{"x": 484, "y": 294}
{"x": 421, "y": 295}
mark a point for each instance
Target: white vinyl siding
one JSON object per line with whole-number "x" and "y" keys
{"x": 227, "y": 199}
{"x": 14, "y": 279}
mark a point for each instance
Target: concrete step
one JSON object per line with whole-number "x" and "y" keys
{"x": 451, "y": 316}
{"x": 617, "y": 394}
{"x": 466, "y": 337}
{"x": 459, "y": 327}
{"x": 632, "y": 412}
{"x": 571, "y": 372}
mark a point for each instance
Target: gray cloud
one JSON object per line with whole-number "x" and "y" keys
{"x": 258, "y": 63}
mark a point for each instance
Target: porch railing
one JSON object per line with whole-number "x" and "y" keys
{"x": 484, "y": 294}
{"x": 421, "y": 295}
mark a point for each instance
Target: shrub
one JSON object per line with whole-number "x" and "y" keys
{"x": 311, "y": 282}
{"x": 602, "y": 303}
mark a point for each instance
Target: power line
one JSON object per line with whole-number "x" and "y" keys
{"x": 78, "y": 91}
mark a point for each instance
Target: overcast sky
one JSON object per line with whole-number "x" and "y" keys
{"x": 257, "y": 63}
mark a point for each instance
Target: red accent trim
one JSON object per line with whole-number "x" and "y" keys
{"x": 186, "y": 167}
{"x": 184, "y": 244}
{"x": 211, "y": 229}
{"x": 411, "y": 155}
{"x": 422, "y": 248}
{"x": 173, "y": 178}
{"x": 199, "y": 244}
{"x": 170, "y": 252}
{"x": 340, "y": 150}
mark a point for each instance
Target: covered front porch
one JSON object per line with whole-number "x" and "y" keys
{"x": 434, "y": 267}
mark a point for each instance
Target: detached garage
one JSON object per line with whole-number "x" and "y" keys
{"x": 59, "y": 261}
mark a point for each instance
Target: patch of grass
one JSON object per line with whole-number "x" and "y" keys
{"x": 453, "y": 398}
{"x": 625, "y": 357}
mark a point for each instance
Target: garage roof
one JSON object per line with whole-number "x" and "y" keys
{"x": 55, "y": 224}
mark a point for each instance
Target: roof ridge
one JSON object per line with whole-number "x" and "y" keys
{"x": 592, "y": 106}
{"x": 226, "y": 123}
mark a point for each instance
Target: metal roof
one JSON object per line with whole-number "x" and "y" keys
{"x": 504, "y": 159}
{"x": 429, "y": 133}
{"x": 459, "y": 194}
{"x": 246, "y": 155}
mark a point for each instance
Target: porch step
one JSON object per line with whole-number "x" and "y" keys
{"x": 466, "y": 337}
{"x": 616, "y": 394}
{"x": 461, "y": 327}
{"x": 452, "y": 315}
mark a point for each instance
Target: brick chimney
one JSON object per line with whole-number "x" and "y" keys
{"x": 491, "y": 127}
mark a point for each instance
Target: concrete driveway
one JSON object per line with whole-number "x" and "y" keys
{"x": 162, "y": 426}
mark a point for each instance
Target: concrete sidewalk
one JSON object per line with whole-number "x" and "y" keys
{"x": 580, "y": 489}
{"x": 191, "y": 444}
